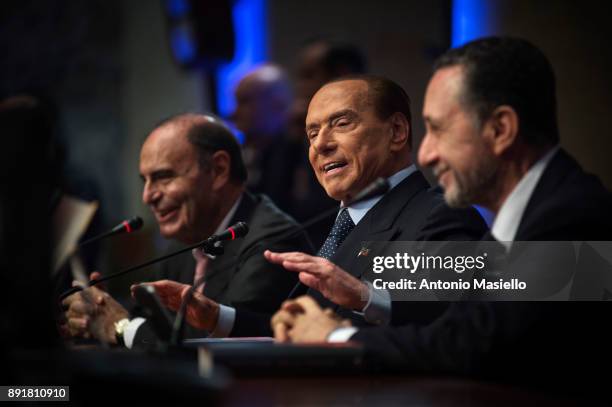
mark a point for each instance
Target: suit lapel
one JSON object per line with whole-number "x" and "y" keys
{"x": 221, "y": 269}
{"x": 549, "y": 183}
{"x": 186, "y": 266}
{"x": 180, "y": 268}
{"x": 379, "y": 224}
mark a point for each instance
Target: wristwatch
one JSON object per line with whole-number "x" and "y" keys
{"x": 120, "y": 329}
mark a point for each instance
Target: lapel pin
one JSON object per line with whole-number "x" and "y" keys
{"x": 363, "y": 252}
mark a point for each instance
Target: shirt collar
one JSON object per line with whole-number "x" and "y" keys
{"x": 508, "y": 218}
{"x": 358, "y": 210}
{"x": 230, "y": 214}
{"x": 222, "y": 226}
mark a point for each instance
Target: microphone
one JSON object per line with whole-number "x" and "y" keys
{"x": 127, "y": 226}
{"x": 240, "y": 229}
{"x": 233, "y": 232}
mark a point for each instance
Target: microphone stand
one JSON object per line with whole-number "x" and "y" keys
{"x": 178, "y": 327}
{"x": 207, "y": 245}
{"x": 127, "y": 226}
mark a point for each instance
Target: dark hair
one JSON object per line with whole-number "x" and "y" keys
{"x": 209, "y": 134}
{"x": 386, "y": 96}
{"x": 509, "y": 71}
{"x": 342, "y": 59}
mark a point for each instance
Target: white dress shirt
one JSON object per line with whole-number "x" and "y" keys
{"x": 506, "y": 223}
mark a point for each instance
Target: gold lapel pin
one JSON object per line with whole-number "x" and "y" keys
{"x": 363, "y": 252}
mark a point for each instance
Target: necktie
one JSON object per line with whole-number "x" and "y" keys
{"x": 343, "y": 226}
{"x": 200, "y": 270}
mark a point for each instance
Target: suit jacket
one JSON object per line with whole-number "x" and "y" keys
{"x": 517, "y": 340}
{"x": 411, "y": 211}
{"x": 242, "y": 277}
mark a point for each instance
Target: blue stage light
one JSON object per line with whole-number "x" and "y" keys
{"x": 177, "y": 8}
{"x": 468, "y": 20}
{"x": 251, "y": 49}
{"x": 182, "y": 44}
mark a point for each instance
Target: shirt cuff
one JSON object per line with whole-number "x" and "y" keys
{"x": 225, "y": 324}
{"x": 129, "y": 333}
{"x": 378, "y": 309}
{"x": 341, "y": 334}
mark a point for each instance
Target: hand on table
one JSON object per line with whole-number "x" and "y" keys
{"x": 302, "y": 321}
{"x": 92, "y": 312}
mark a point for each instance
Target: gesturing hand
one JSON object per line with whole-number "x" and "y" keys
{"x": 201, "y": 313}
{"x": 324, "y": 276}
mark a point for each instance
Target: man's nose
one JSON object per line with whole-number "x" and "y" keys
{"x": 427, "y": 152}
{"x": 324, "y": 142}
{"x": 150, "y": 195}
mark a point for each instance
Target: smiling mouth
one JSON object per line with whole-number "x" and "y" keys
{"x": 442, "y": 177}
{"x": 165, "y": 215}
{"x": 336, "y": 165}
{"x": 439, "y": 171}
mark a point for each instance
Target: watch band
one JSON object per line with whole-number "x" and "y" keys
{"x": 120, "y": 329}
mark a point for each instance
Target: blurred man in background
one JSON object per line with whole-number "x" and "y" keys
{"x": 263, "y": 100}
{"x": 320, "y": 61}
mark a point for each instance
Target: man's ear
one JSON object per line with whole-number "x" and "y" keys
{"x": 400, "y": 131}
{"x": 220, "y": 166}
{"x": 503, "y": 127}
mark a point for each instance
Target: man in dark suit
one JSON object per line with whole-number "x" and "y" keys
{"x": 359, "y": 130}
{"x": 492, "y": 139}
{"x": 194, "y": 178}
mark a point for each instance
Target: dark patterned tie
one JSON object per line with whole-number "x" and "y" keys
{"x": 343, "y": 226}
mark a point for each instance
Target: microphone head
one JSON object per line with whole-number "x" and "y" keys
{"x": 233, "y": 232}
{"x": 128, "y": 225}
{"x": 135, "y": 223}
{"x": 240, "y": 229}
